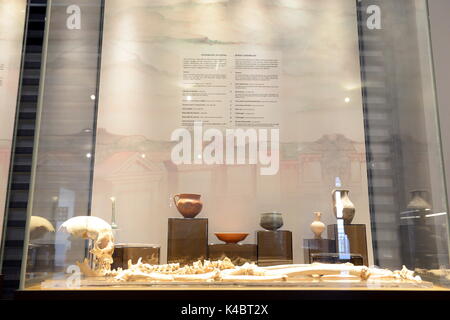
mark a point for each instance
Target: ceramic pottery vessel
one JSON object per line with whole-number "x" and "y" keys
{"x": 189, "y": 205}
{"x": 317, "y": 226}
{"x": 343, "y": 207}
{"x": 271, "y": 221}
{"x": 231, "y": 237}
{"x": 418, "y": 202}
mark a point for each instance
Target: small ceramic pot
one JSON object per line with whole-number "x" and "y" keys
{"x": 189, "y": 205}
{"x": 271, "y": 221}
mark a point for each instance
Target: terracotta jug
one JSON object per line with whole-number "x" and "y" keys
{"x": 317, "y": 226}
{"x": 343, "y": 207}
{"x": 189, "y": 205}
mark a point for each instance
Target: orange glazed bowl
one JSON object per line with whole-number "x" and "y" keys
{"x": 231, "y": 237}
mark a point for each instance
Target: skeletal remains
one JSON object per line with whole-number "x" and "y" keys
{"x": 100, "y": 232}
{"x": 225, "y": 271}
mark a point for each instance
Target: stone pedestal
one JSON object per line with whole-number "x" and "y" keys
{"x": 350, "y": 239}
{"x": 133, "y": 251}
{"x": 187, "y": 240}
{"x": 274, "y": 247}
{"x": 313, "y": 246}
{"x": 238, "y": 253}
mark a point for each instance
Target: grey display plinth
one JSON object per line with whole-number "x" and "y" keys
{"x": 274, "y": 247}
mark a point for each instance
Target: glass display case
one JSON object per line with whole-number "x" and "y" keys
{"x": 237, "y": 143}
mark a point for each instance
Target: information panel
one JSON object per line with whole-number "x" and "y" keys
{"x": 231, "y": 90}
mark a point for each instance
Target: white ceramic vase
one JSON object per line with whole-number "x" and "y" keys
{"x": 317, "y": 226}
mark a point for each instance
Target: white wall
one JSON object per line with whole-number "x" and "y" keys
{"x": 12, "y": 19}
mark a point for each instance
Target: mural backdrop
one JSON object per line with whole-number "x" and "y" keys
{"x": 167, "y": 63}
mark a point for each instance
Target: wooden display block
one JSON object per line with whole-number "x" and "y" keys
{"x": 133, "y": 251}
{"x": 312, "y": 246}
{"x": 357, "y": 239}
{"x": 274, "y": 247}
{"x": 187, "y": 240}
{"x": 238, "y": 253}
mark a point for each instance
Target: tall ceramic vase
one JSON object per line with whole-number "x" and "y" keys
{"x": 343, "y": 207}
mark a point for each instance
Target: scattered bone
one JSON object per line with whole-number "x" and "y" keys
{"x": 198, "y": 271}
{"x": 322, "y": 269}
{"x": 136, "y": 275}
{"x": 196, "y": 277}
{"x": 286, "y": 266}
{"x": 87, "y": 270}
{"x": 248, "y": 269}
{"x": 407, "y": 274}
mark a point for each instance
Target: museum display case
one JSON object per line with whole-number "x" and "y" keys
{"x": 229, "y": 144}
